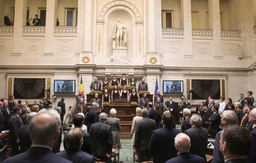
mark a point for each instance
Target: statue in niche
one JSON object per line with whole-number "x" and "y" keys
{"x": 119, "y": 35}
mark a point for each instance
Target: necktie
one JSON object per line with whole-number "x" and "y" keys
{"x": 95, "y": 86}
{"x": 8, "y": 111}
{"x": 20, "y": 120}
{"x": 241, "y": 123}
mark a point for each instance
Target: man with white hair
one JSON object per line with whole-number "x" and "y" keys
{"x": 92, "y": 116}
{"x": 186, "y": 114}
{"x": 95, "y": 85}
{"x": 198, "y": 136}
{"x": 182, "y": 144}
{"x": 252, "y": 120}
{"x": 102, "y": 142}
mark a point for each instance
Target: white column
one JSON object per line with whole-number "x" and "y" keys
{"x": 79, "y": 44}
{"x": 49, "y": 27}
{"x": 20, "y": 21}
{"x": 151, "y": 27}
{"x": 87, "y": 28}
{"x": 187, "y": 27}
{"x": 214, "y": 18}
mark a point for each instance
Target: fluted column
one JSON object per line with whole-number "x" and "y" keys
{"x": 87, "y": 27}
{"x": 187, "y": 25}
{"x": 214, "y": 18}
{"x": 49, "y": 26}
{"x": 151, "y": 27}
{"x": 20, "y": 21}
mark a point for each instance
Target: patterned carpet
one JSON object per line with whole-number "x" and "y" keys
{"x": 126, "y": 152}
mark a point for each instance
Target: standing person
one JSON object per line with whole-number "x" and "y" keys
{"x": 123, "y": 80}
{"x": 78, "y": 99}
{"x": 114, "y": 81}
{"x": 180, "y": 112}
{"x": 36, "y": 21}
{"x": 198, "y": 136}
{"x": 144, "y": 101}
{"x": 245, "y": 118}
{"x": 6, "y": 114}
{"x": 170, "y": 104}
{"x": 182, "y": 144}
{"x": 105, "y": 96}
{"x": 235, "y": 144}
{"x": 186, "y": 103}
{"x": 57, "y": 22}
{"x": 97, "y": 99}
{"x": 124, "y": 93}
{"x": 143, "y": 133}
{"x": 105, "y": 83}
{"x": 14, "y": 125}
{"x": 222, "y": 105}
{"x": 159, "y": 108}
{"x": 161, "y": 144}
{"x": 44, "y": 130}
{"x": 160, "y": 96}
{"x": 152, "y": 113}
{"x": 115, "y": 94}
{"x": 92, "y": 116}
{"x": 63, "y": 109}
{"x": 186, "y": 123}
{"x": 249, "y": 93}
{"x": 214, "y": 122}
{"x": 102, "y": 142}
{"x": 134, "y": 96}
{"x": 135, "y": 119}
{"x": 143, "y": 86}
{"x": 241, "y": 99}
{"x": 132, "y": 82}
{"x": 228, "y": 118}
{"x": 11, "y": 102}
{"x": 95, "y": 85}
{"x": 1, "y": 117}
{"x": 252, "y": 120}
{"x": 209, "y": 109}
{"x": 7, "y": 20}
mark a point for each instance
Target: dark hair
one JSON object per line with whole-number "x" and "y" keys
{"x": 168, "y": 119}
{"x": 216, "y": 107}
{"x": 230, "y": 100}
{"x": 150, "y": 104}
{"x": 238, "y": 140}
{"x": 250, "y": 92}
{"x": 232, "y": 106}
{"x": 62, "y": 99}
{"x": 222, "y": 97}
{"x": 78, "y": 120}
{"x": 16, "y": 109}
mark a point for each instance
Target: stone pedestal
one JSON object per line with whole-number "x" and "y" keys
{"x": 121, "y": 51}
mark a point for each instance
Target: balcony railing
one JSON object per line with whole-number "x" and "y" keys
{"x": 201, "y": 33}
{"x": 172, "y": 32}
{"x": 65, "y": 30}
{"x": 6, "y": 30}
{"x": 33, "y": 30}
{"x": 231, "y": 34}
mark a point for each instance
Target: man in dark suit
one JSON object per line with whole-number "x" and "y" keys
{"x": 1, "y": 117}
{"x": 78, "y": 121}
{"x": 252, "y": 120}
{"x": 102, "y": 142}
{"x": 151, "y": 112}
{"x": 245, "y": 117}
{"x": 6, "y": 114}
{"x": 79, "y": 98}
{"x": 161, "y": 144}
{"x": 186, "y": 123}
{"x": 198, "y": 136}
{"x": 25, "y": 140}
{"x": 36, "y": 21}
{"x": 170, "y": 104}
{"x": 228, "y": 117}
{"x": 214, "y": 121}
{"x": 160, "y": 96}
{"x": 235, "y": 144}
{"x": 63, "y": 109}
{"x": 186, "y": 104}
{"x": 144, "y": 129}
{"x": 144, "y": 101}
{"x": 7, "y": 20}
{"x": 97, "y": 99}
{"x": 14, "y": 124}
{"x": 159, "y": 108}
{"x": 44, "y": 130}
{"x": 209, "y": 109}
{"x": 143, "y": 86}
{"x": 182, "y": 144}
{"x": 95, "y": 85}
{"x": 92, "y": 116}
{"x": 73, "y": 143}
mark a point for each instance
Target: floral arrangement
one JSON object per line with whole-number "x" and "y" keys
{"x": 131, "y": 87}
{"x": 142, "y": 92}
{"x": 106, "y": 104}
{"x": 120, "y": 87}
{"x": 110, "y": 87}
{"x": 134, "y": 104}
{"x": 94, "y": 92}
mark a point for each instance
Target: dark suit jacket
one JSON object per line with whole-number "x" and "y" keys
{"x": 159, "y": 108}
{"x": 170, "y": 105}
{"x": 186, "y": 158}
{"x": 237, "y": 161}
{"x": 1, "y": 121}
{"x": 77, "y": 156}
{"x": 14, "y": 125}
{"x": 63, "y": 108}
{"x": 143, "y": 103}
{"x": 144, "y": 129}
{"x": 145, "y": 87}
{"x": 78, "y": 98}
{"x": 102, "y": 141}
{"x": 152, "y": 114}
{"x": 186, "y": 105}
{"x": 161, "y": 144}
{"x": 217, "y": 155}
{"x": 185, "y": 124}
{"x": 198, "y": 138}
{"x": 98, "y": 100}
{"x": 36, "y": 155}
{"x": 25, "y": 141}
{"x": 6, "y": 118}
{"x": 252, "y": 155}
{"x": 215, "y": 122}
{"x": 98, "y": 86}
{"x": 92, "y": 117}
{"x": 7, "y": 20}
{"x": 160, "y": 96}
{"x": 245, "y": 121}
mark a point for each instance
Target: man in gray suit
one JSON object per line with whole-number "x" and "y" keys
{"x": 95, "y": 85}
{"x": 143, "y": 86}
{"x": 144, "y": 101}
{"x": 144, "y": 129}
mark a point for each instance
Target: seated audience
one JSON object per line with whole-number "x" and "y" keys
{"x": 235, "y": 144}
{"x": 44, "y": 130}
{"x": 182, "y": 144}
{"x": 74, "y": 142}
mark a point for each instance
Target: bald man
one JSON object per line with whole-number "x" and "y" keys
{"x": 182, "y": 144}
{"x": 95, "y": 85}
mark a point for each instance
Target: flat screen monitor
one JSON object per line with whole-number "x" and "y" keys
{"x": 64, "y": 86}
{"x": 173, "y": 86}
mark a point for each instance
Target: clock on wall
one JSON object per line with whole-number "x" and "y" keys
{"x": 29, "y": 88}
{"x": 201, "y": 89}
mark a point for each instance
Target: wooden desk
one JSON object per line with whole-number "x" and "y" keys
{"x": 4, "y": 144}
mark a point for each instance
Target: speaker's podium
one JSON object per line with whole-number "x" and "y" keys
{"x": 125, "y": 112}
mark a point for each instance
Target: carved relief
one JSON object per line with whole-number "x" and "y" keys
{"x": 201, "y": 48}
{"x": 65, "y": 46}
{"x": 32, "y": 45}
{"x": 2, "y": 46}
{"x": 172, "y": 47}
{"x": 230, "y": 49}
{"x": 99, "y": 41}
{"x": 140, "y": 41}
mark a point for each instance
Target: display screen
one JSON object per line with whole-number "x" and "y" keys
{"x": 64, "y": 86}
{"x": 173, "y": 86}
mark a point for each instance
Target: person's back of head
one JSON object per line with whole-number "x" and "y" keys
{"x": 74, "y": 139}
{"x": 228, "y": 117}
{"x": 182, "y": 143}
{"x": 168, "y": 119}
{"x": 58, "y": 109}
{"x": 150, "y": 105}
{"x": 62, "y": 99}
{"x": 144, "y": 113}
{"x": 186, "y": 112}
{"x": 196, "y": 120}
{"x": 138, "y": 111}
{"x": 44, "y": 128}
{"x": 112, "y": 112}
{"x": 78, "y": 120}
{"x": 103, "y": 117}
{"x": 235, "y": 142}
{"x": 31, "y": 116}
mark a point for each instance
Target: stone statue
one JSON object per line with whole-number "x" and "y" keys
{"x": 119, "y": 35}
